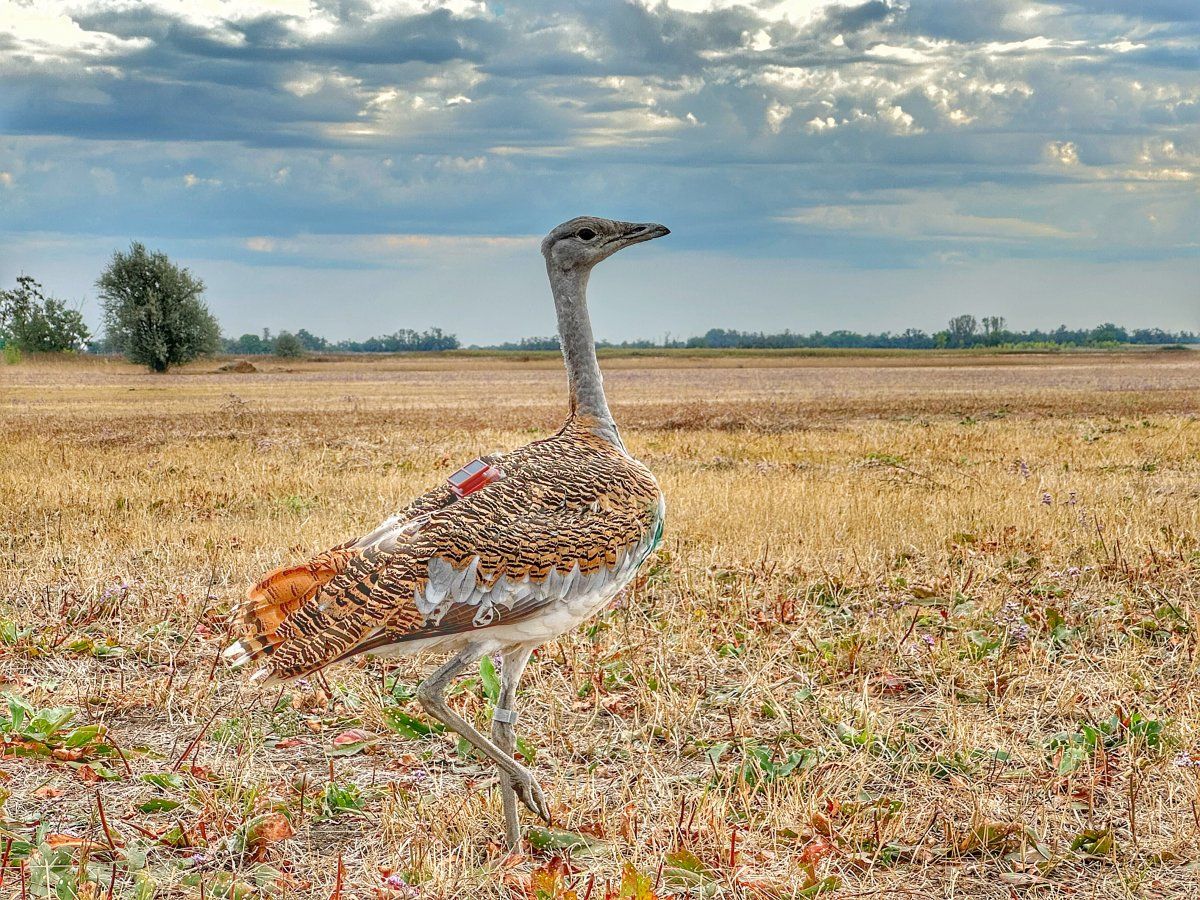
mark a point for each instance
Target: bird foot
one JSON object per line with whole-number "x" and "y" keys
{"x": 531, "y": 794}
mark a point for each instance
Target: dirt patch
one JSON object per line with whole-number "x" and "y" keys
{"x": 240, "y": 366}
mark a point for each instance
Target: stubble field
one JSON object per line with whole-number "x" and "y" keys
{"x": 921, "y": 626}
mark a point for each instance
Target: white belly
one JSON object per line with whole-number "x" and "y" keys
{"x": 564, "y": 601}
{"x": 558, "y": 617}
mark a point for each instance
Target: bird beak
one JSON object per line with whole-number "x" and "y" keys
{"x": 636, "y": 232}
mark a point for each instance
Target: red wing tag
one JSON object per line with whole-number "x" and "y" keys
{"x": 473, "y": 476}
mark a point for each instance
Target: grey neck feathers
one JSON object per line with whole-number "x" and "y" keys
{"x": 584, "y": 380}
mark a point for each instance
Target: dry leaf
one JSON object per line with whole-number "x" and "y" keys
{"x": 351, "y": 741}
{"x": 267, "y": 829}
{"x": 815, "y": 851}
{"x": 57, "y": 839}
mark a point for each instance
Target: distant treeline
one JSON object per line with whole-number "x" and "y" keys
{"x": 963, "y": 331}
{"x": 155, "y": 314}
{"x": 404, "y": 340}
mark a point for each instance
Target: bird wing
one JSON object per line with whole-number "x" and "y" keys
{"x": 570, "y": 515}
{"x": 282, "y": 591}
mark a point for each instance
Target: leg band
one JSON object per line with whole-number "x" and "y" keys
{"x": 504, "y": 716}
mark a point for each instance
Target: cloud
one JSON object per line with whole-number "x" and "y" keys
{"x": 191, "y": 180}
{"x": 1064, "y": 152}
{"x": 914, "y": 215}
{"x": 342, "y": 132}
{"x": 384, "y": 250}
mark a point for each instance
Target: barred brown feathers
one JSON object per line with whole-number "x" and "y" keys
{"x": 566, "y": 527}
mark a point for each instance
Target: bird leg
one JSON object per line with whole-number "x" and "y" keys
{"x": 504, "y": 718}
{"x": 431, "y": 695}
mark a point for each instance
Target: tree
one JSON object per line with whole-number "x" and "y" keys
{"x": 993, "y": 328}
{"x": 248, "y": 345}
{"x": 32, "y": 322}
{"x": 1108, "y": 333}
{"x": 153, "y": 310}
{"x": 962, "y": 329}
{"x": 311, "y": 341}
{"x": 288, "y": 345}
{"x": 404, "y": 340}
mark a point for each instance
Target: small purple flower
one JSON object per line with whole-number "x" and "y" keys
{"x": 1046, "y": 499}
{"x": 117, "y": 590}
{"x": 1023, "y": 468}
{"x": 198, "y": 859}
{"x": 1072, "y": 498}
{"x": 400, "y": 886}
{"x": 1186, "y": 761}
{"x": 1012, "y": 617}
{"x": 1074, "y": 571}
{"x": 927, "y": 639}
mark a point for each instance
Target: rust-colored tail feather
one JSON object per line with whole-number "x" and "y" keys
{"x": 276, "y": 598}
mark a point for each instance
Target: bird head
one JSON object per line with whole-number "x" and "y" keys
{"x": 586, "y": 240}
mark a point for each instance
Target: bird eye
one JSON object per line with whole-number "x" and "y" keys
{"x": 585, "y": 234}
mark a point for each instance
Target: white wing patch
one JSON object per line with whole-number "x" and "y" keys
{"x": 389, "y": 533}
{"x": 447, "y": 587}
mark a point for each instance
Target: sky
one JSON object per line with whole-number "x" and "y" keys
{"x": 357, "y": 166}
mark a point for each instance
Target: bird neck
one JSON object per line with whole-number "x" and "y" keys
{"x": 589, "y": 406}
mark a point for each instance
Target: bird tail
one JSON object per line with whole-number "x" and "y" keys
{"x": 275, "y": 599}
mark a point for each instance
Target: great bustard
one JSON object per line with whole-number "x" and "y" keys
{"x": 513, "y": 551}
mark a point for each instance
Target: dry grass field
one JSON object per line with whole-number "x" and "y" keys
{"x": 921, "y": 626}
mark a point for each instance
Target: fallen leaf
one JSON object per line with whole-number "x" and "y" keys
{"x": 815, "y": 851}
{"x": 46, "y": 792}
{"x": 351, "y": 741}
{"x": 635, "y": 885}
{"x": 549, "y": 882}
{"x": 57, "y": 839}
{"x": 267, "y": 829}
